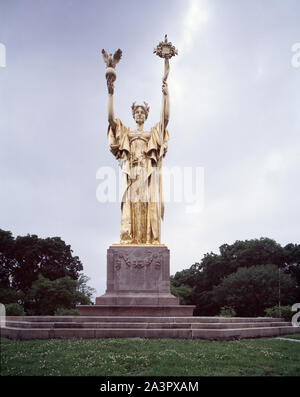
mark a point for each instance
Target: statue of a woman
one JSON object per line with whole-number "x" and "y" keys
{"x": 140, "y": 154}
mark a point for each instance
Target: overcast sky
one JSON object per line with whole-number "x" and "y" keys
{"x": 235, "y": 112}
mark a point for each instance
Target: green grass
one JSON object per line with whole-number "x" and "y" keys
{"x": 292, "y": 336}
{"x": 146, "y": 357}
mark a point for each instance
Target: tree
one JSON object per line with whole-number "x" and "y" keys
{"x": 7, "y": 261}
{"x": 187, "y": 276}
{"x": 40, "y": 274}
{"x": 83, "y": 287}
{"x": 7, "y": 265}
{"x": 250, "y": 290}
{"x": 50, "y": 257}
{"x": 184, "y": 293}
{"x": 213, "y": 268}
{"x": 46, "y": 296}
{"x": 240, "y": 254}
{"x": 292, "y": 264}
{"x": 22, "y": 259}
{"x": 10, "y": 295}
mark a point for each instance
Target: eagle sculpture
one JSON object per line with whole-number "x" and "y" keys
{"x": 110, "y": 60}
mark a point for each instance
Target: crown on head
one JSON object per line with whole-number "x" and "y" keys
{"x": 145, "y": 107}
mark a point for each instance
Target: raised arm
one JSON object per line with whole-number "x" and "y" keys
{"x": 110, "y": 74}
{"x": 166, "y": 104}
{"x": 165, "y": 50}
{"x": 110, "y": 109}
{"x": 165, "y": 100}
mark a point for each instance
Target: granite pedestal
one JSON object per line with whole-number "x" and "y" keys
{"x": 138, "y": 283}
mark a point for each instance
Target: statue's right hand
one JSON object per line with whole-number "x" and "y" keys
{"x": 110, "y": 73}
{"x": 111, "y": 76}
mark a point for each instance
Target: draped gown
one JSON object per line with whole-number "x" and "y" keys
{"x": 140, "y": 158}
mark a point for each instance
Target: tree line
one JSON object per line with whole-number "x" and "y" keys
{"x": 40, "y": 276}
{"x": 246, "y": 277}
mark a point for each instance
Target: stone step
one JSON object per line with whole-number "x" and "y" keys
{"x": 143, "y": 319}
{"x": 155, "y": 310}
{"x": 126, "y": 325}
{"x": 191, "y": 333}
{"x": 224, "y": 334}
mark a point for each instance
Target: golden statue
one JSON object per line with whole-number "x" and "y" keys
{"x": 140, "y": 155}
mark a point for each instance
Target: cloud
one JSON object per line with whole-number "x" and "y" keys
{"x": 193, "y": 22}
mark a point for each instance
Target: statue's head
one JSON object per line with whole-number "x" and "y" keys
{"x": 140, "y": 112}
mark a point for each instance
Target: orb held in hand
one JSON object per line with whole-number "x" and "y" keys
{"x": 165, "y": 49}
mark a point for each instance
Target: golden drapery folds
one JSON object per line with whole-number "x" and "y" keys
{"x": 140, "y": 158}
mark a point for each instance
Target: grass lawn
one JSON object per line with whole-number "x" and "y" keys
{"x": 292, "y": 336}
{"x": 146, "y": 357}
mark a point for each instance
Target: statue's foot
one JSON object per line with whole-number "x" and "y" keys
{"x": 126, "y": 242}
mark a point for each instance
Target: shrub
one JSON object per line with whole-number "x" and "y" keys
{"x": 227, "y": 311}
{"x": 284, "y": 312}
{"x": 61, "y": 311}
{"x": 14, "y": 309}
{"x": 46, "y": 296}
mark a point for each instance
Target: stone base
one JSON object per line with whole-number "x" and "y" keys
{"x": 136, "y": 310}
{"x": 137, "y": 273}
{"x": 219, "y": 328}
{"x": 138, "y": 284}
{"x": 137, "y": 298}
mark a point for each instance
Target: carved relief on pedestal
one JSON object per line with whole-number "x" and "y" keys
{"x": 138, "y": 275}
{"x": 134, "y": 260}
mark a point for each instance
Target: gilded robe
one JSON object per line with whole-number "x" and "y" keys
{"x": 140, "y": 158}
